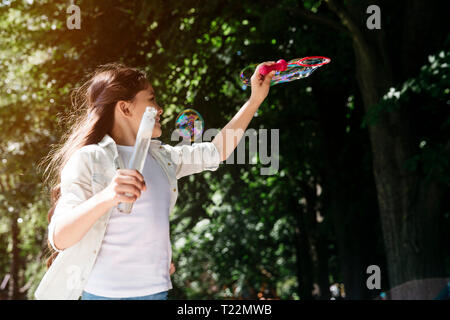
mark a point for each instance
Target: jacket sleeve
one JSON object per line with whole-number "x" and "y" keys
{"x": 195, "y": 158}
{"x": 75, "y": 188}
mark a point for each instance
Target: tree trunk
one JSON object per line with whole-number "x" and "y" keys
{"x": 349, "y": 189}
{"x": 316, "y": 241}
{"x": 409, "y": 207}
{"x": 14, "y": 285}
{"x": 322, "y": 267}
{"x": 311, "y": 246}
{"x": 355, "y": 241}
{"x": 304, "y": 268}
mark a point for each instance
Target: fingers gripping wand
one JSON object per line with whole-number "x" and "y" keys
{"x": 281, "y": 65}
{"x": 140, "y": 151}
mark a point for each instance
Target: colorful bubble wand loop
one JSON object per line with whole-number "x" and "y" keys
{"x": 285, "y": 71}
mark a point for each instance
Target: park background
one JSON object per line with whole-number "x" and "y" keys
{"x": 364, "y": 141}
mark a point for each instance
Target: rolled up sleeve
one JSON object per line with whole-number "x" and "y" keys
{"x": 195, "y": 158}
{"x": 75, "y": 189}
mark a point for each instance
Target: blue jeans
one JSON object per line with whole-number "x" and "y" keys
{"x": 155, "y": 296}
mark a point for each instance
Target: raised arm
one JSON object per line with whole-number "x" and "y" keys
{"x": 230, "y": 135}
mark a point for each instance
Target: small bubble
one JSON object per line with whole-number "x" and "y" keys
{"x": 190, "y": 124}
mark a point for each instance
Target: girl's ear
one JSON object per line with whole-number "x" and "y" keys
{"x": 124, "y": 108}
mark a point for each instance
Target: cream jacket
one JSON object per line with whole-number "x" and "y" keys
{"x": 89, "y": 170}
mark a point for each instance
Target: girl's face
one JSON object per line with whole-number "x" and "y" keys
{"x": 143, "y": 99}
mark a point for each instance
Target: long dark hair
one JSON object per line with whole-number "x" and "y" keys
{"x": 91, "y": 117}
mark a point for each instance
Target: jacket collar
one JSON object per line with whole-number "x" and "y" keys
{"x": 107, "y": 140}
{"x": 109, "y": 143}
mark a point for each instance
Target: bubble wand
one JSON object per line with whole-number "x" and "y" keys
{"x": 285, "y": 71}
{"x": 140, "y": 151}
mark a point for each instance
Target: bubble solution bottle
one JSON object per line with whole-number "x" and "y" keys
{"x": 140, "y": 151}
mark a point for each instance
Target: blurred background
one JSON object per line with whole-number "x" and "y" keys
{"x": 364, "y": 142}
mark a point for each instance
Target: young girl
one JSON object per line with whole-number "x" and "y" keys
{"x": 101, "y": 253}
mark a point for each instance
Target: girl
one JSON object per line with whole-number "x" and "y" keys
{"x": 100, "y": 253}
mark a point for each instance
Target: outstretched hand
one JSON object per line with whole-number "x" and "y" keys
{"x": 261, "y": 84}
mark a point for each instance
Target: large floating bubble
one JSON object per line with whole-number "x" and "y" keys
{"x": 190, "y": 124}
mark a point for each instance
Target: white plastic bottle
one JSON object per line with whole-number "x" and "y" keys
{"x": 140, "y": 151}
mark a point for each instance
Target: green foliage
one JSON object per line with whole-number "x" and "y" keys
{"x": 431, "y": 88}
{"x": 238, "y": 247}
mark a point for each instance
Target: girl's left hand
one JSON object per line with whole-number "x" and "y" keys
{"x": 261, "y": 84}
{"x": 172, "y": 268}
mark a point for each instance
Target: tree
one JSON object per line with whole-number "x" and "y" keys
{"x": 405, "y": 199}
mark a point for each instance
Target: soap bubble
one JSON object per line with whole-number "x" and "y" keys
{"x": 190, "y": 124}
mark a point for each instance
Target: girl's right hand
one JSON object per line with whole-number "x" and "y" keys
{"x": 128, "y": 181}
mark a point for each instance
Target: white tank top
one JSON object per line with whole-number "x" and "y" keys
{"x": 135, "y": 255}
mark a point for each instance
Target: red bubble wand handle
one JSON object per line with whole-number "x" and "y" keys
{"x": 281, "y": 65}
